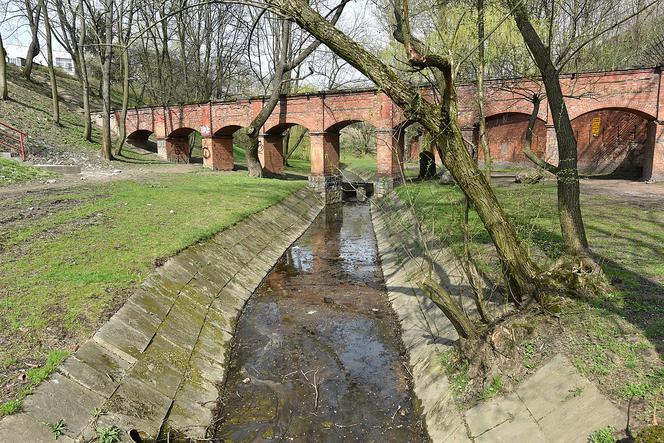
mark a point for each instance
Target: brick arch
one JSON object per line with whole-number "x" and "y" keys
{"x": 587, "y": 108}
{"x": 506, "y": 134}
{"x": 181, "y": 132}
{"x": 616, "y": 145}
{"x": 227, "y": 130}
{"x": 186, "y": 116}
{"x": 279, "y": 128}
{"x": 338, "y": 126}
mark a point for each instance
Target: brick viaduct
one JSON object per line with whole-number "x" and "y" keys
{"x": 618, "y": 118}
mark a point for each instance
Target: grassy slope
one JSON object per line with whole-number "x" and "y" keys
{"x": 30, "y": 111}
{"x": 63, "y": 273}
{"x": 617, "y": 339}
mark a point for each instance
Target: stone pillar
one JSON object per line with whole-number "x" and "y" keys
{"x": 551, "y": 153}
{"x": 653, "y": 160}
{"x": 389, "y": 153}
{"x": 161, "y": 148}
{"x": 271, "y": 153}
{"x": 177, "y": 149}
{"x": 325, "y": 174}
{"x": 218, "y": 152}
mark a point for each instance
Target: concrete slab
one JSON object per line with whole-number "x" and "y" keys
{"x": 62, "y": 399}
{"x": 24, "y": 427}
{"x": 495, "y": 412}
{"x": 121, "y": 339}
{"x": 135, "y": 405}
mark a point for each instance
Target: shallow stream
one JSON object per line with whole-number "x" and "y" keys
{"x": 317, "y": 355}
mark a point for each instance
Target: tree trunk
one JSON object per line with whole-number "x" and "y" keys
{"x": 4, "y": 92}
{"x": 569, "y": 207}
{"x": 253, "y": 163}
{"x": 522, "y": 273}
{"x": 85, "y": 84}
{"x": 106, "y": 147}
{"x": 125, "y": 101}
{"x": 51, "y": 68}
{"x": 124, "y": 35}
{"x": 33, "y": 48}
{"x": 481, "y": 139}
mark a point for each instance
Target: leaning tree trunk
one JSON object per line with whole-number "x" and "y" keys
{"x": 33, "y": 48}
{"x": 522, "y": 273}
{"x": 253, "y": 162}
{"x": 4, "y": 92}
{"x": 569, "y": 207}
{"x": 51, "y": 68}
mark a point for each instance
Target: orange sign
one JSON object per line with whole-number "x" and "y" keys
{"x": 596, "y": 126}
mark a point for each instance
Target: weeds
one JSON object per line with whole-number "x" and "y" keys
{"x": 108, "y": 435}
{"x": 604, "y": 435}
{"x": 57, "y": 429}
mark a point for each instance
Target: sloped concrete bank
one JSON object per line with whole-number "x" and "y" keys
{"x": 426, "y": 332}
{"x": 156, "y": 363}
{"x": 555, "y": 394}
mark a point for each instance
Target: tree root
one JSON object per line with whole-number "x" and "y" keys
{"x": 581, "y": 276}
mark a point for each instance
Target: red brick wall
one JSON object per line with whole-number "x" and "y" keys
{"x": 506, "y": 135}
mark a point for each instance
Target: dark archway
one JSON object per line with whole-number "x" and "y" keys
{"x": 143, "y": 139}
{"x": 183, "y": 145}
{"x": 611, "y": 142}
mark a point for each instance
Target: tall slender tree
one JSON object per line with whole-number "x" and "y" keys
{"x": 4, "y": 92}
{"x": 51, "y": 68}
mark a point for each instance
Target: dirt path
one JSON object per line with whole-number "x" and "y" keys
{"x": 87, "y": 177}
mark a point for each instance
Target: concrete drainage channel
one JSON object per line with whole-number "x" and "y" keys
{"x": 156, "y": 363}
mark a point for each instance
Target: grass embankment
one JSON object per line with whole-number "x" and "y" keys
{"x": 14, "y": 172}
{"x": 616, "y": 338}
{"x": 68, "y": 258}
{"x": 29, "y": 110}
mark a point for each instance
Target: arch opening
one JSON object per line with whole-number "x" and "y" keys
{"x": 184, "y": 145}
{"x": 143, "y": 139}
{"x": 290, "y": 144}
{"x": 611, "y": 142}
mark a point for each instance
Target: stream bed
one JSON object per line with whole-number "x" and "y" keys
{"x": 317, "y": 355}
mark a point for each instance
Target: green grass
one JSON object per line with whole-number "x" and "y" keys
{"x": 16, "y": 172}
{"x": 34, "y": 377}
{"x": 615, "y": 338}
{"x": 364, "y": 166}
{"x": 62, "y": 273}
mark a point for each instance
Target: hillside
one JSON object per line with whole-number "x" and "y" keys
{"x": 29, "y": 110}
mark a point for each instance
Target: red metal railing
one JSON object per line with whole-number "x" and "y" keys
{"x": 13, "y": 139}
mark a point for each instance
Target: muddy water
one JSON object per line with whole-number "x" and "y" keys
{"x": 317, "y": 356}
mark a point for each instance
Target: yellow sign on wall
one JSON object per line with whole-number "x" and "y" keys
{"x": 596, "y": 126}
